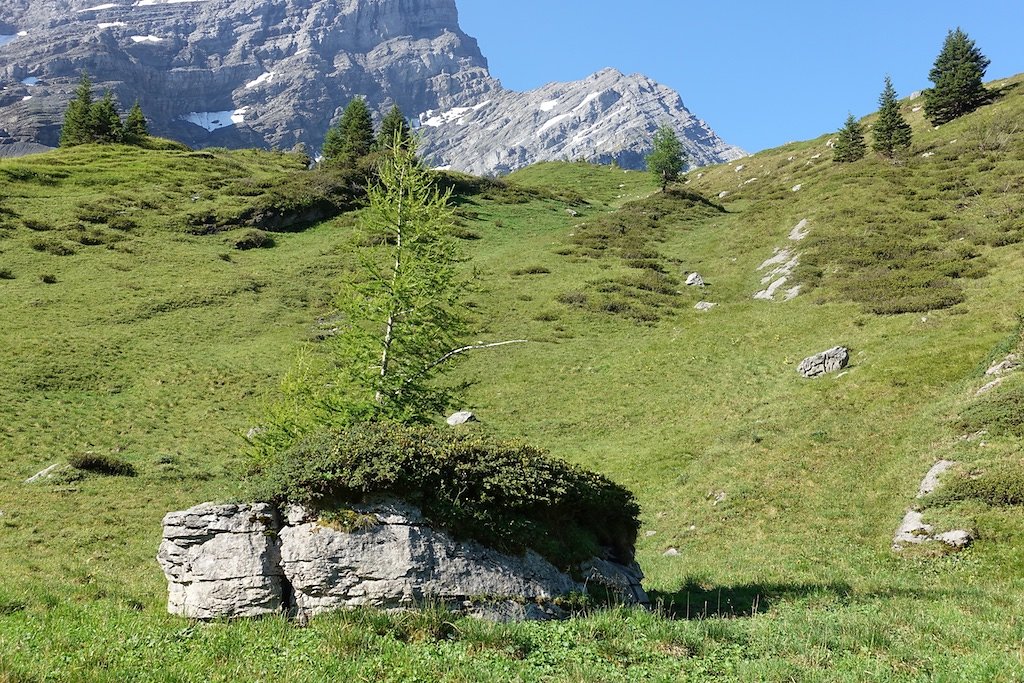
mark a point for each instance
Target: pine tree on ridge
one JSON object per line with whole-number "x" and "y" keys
{"x": 891, "y": 131}
{"x": 850, "y": 145}
{"x": 958, "y": 75}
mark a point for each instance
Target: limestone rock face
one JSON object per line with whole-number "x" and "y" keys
{"x": 398, "y": 560}
{"x": 268, "y": 73}
{"x": 609, "y": 116}
{"x": 833, "y": 360}
{"x": 245, "y": 560}
{"x": 222, "y": 561}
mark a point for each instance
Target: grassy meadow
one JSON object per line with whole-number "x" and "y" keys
{"x": 131, "y": 326}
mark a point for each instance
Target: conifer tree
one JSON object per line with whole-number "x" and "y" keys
{"x": 957, "y": 74}
{"x": 352, "y": 137}
{"x": 666, "y": 160}
{"x": 136, "y": 129}
{"x": 77, "y": 128}
{"x": 393, "y": 124}
{"x": 850, "y": 144}
{"x": 891, "y": 131}
{"x": 104, "y": 121}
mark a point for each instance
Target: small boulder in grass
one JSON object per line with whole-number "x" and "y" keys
{"x": 461, "y": 418}
{"x": 833, "y": 360}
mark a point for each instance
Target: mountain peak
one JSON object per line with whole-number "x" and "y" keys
{"x": 247, "y": 73}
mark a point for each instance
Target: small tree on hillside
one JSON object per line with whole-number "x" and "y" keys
{"x": 958, "y": 76}
{"x": 405, "y": 315}
{"x": 850, "y": 145}
{"x": 105, "y": 121}
{"x": 666, "y": 160}
{"x": 393, "y": 124}
{"x": 77, "y": 128}
{"x": 136, "y": 129}
{"x": 352, "y": 137}
{"x": 891, "y": 131}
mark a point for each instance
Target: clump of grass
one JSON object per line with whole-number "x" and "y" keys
{"x": 48, "y": 279}
{"x": 574, "y": 298}
{"x": 53, "y": 247}
{"x": 122, "y": 223}
{"x": 95, "y": 212}
{"x": 102, "y": 464}
{"x": 6, "y": 274}
{"x": 531, "y": 270}
{"x": 463, "y": 233}
{"x": 37, "y": 225}
{"x": 253, "y": 239}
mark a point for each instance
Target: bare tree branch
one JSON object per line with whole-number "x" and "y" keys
{"x": 473, "y": 347}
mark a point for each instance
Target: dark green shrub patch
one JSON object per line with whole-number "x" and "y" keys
{"x": 52, "y": 247}
{"x": 508, "y": 495}
{"x": 122, "y": 223}
{"x": 6, "y": 274}
{"x": 253, "y": 239}
{"x": 102, "y": 464}
{"x": 1001, "y": 413}
{"x": 532, "y": 270}
{"x": 36, "y": 225}
{"x": 1000, "y": 486}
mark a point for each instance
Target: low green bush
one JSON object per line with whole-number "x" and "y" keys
{"x": 102, "y": 464}
{"x": 253, "y": 239}
{"x": 507, "y": 495}
{"x": 1000, "y": 486}
{"x": 1001, "y": 413}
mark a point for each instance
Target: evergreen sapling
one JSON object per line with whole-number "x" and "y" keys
{"x": 891, "y": 131}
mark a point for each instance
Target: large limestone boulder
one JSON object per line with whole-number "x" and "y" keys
{"x": 222, "y": 561}
{"x": 833, "y": 360}
{"x": 225, "y": 561}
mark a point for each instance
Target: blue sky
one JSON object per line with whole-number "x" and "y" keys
{"x": 760, "y": 73}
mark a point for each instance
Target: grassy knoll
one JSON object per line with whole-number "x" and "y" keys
{"x": 780, "y": 495}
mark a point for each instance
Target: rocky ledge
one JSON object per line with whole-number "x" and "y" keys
{"x": 229, "y": 561}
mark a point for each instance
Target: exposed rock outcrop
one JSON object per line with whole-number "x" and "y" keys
{"x": 246, "y": 560}
{"x": 279, "y": 72}
{"x": 833, "y": 360}
{"x": 913, "y": 530}
{"x": 223, "y": 561}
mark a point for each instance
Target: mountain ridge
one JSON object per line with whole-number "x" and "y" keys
{"x": 239, "y": 73}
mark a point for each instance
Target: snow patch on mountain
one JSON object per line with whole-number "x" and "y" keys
{"x": 266, "y": 77}
{"x": 97, "y": 8}
{"x": 212, "y": 120}
{"x": 146, "y": 39}
{"x": 552, "y": 122}
{"x": 110, "y": 24}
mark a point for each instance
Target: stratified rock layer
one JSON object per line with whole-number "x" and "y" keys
{"x": 278, "y": 72}
{"x": 224, "y": 561}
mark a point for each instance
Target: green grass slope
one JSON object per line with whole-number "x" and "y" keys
{"x": 777, "y": 496}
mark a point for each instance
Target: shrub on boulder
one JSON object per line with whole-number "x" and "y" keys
{"x": 504, "y": 494}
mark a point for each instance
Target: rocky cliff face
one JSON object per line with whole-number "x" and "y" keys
{"x": 606, "y": 117}
{"x": 278, "y": 72}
